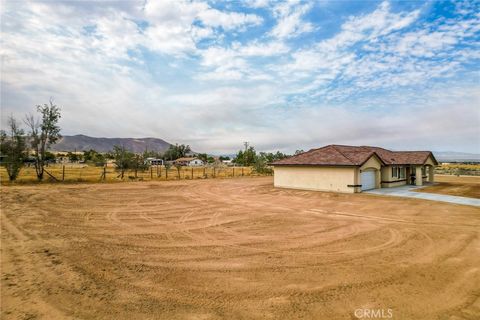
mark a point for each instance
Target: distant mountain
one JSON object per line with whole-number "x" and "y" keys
{"x": 81, "y": 142}
{"x": 449, "y": 156}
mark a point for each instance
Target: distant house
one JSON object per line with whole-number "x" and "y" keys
{"x": 189, "y": 161}
{"x": 63, "y": 156}
{"x": 154, "y": 162}
{"x": 354, "y": 169}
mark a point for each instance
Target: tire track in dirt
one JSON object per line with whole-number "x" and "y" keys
{"x": 236, "y": 248}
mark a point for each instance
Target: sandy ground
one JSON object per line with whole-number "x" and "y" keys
{"x": 464, "y": 186}
{"x": 233, "y": 249}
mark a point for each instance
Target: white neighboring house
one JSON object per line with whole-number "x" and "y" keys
{"x": 189, "y": 161}
{"x": 154, "y": 162}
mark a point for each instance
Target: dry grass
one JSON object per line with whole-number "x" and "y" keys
{"x": 232, "y": 249}
{"x": 459, "y": 169}
{"x": 86, "y": 173}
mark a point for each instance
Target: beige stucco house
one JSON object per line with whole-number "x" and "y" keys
{"x": 353, "y": 169}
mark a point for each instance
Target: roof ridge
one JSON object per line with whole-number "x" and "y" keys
{"x": 311, "y": 150}
{"x": 334, "y": 147}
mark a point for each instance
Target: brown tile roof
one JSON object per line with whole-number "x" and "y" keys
{"x": 338, "y": 155}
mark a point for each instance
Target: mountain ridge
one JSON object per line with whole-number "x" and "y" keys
{"x": 81, "y": 142}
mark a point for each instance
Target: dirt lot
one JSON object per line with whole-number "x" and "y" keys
{"x": 465, "y": 186}
{"x": 233, "y": 249}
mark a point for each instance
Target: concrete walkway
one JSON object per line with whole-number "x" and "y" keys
{"x": 408, "y": 191}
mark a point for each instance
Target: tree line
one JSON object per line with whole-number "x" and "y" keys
{"x": 260, "y": 161}
{"x": 15, "y": 143}
{"x": 43, "y": 131}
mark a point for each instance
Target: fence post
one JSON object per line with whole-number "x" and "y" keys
{"x": 63, "y": 173}
{"x": 214, "y": 172}
{"x": 157, "y": 171}
{"x": 204, "y": 172}
{"x": 233, "y": 172}
{"x": 166, "y": 173}
{"x": 105, "y": 173}
{"x": 151, "y": 173}
{"x": 192, "y": 173}
{"x": 242, "y": 171}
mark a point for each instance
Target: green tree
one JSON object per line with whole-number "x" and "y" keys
{"x": 93, "y": 156}
{"x": 151, "y": 154}
{"x": 203, "y": 157}
{"x": 176, "y": 151}
{"x": 13, "y": 148}
{"x": 49, "y": 157}
{"x": 89, "y": 155}
{"x": 247, "y": 157}
{"x": 43, "y": 133}
{"x": 73, "y": 157}
{"x": 299, "y": 151}
{"x": 123, "y": 160}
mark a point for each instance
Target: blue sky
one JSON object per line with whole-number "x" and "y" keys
{"x": 282, "y": 75}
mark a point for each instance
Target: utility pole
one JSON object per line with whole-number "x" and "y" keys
{"x": 245, "y": 153}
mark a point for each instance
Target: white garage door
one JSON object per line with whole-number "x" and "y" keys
{"x": 368, "y": 180}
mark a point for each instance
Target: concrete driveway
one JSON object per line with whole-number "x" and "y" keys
{"x": 408, "y": 192}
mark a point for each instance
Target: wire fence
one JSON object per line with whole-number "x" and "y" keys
{"x": 86, "y": 173}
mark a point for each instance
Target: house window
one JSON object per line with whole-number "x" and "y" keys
{"x": 398, "y": 172}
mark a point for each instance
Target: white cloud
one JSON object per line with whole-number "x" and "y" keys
{"x": 258, "y": 3}
{"x": 289, "y": 20}
{"x": 173, "y": 28}
{"x": 232, "y": 63}
{"x": 212, "y": 84}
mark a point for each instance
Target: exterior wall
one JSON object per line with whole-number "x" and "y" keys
{"x": 430, "y": 165}
{"x": 388, "y": 181}
{"x": 334, "y": 179}
{"x": 373, "y": 163}
{"x": 429, "y": 161}
{"x": 431, "y": 174}
{"x": 418, "y": 174}
{"x": 195, "y": 163}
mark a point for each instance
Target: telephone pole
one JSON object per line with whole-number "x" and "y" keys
{"x": 245, "y": 153}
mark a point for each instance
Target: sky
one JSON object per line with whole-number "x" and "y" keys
{"x": 404, "y": 75}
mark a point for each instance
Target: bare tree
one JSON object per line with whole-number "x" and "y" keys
{"x": 43, "y": 133}
{"x": 13, "y": 148}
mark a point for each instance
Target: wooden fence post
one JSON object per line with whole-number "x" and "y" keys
{"x": 242, "y": 171}
{"x": 157, "y": 171}
{"x": 204, "y": 172}
{"x": 214, "y": 172}
{"x": 233, "y": 172}
{"x": 105, "y": 173}
{"x": 63, "y": 173}
{"x": 192, "y": 173}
